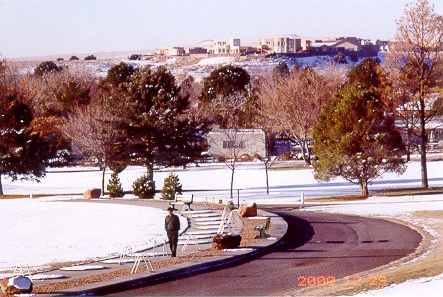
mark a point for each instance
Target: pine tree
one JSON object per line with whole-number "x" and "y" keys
{"x": 171, "y": 186}
{"x": 114, "y": 187}
{"x": 353, "y": 139}
{"x": 45, "y": 68}
{"x": 280, "y": 71}
{"x": 143, "y": 187}
{"x": 225, "y": 81}
{"x": 23, "y": 153}
{"x": 156, "y": 122}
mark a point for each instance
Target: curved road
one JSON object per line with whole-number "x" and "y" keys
{"x": 319, "y": 245}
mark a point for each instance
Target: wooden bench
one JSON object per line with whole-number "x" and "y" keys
{"x": 185, "y": 200}
{"x": 262, "y": 228}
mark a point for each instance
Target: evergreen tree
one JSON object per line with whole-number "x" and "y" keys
{"x": 135, "y": 57}
{"x": 366, "y": 74}
{"x": 144, "y": 187}
{"x": 225, "y": 81}
{"x": 353, "y": 139}
{"x": 280, "y": 71}
{"x": 171, "y": 186}
{"x": 117, "y": 76}
{"x": 90, "y": 57}
{"x": 73, "y": 93}
{"x": 22, "y": 151}
{"x": 46, "y": 67}
{"x": 156, "y": 123}
{"x": 114, "y": 187}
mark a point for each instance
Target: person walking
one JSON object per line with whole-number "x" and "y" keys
{"x": 172, "y": 226}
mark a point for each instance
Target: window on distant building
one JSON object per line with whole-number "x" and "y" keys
{"x": 233, "y": 144}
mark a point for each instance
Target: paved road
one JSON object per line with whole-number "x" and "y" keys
{"x": 318, "y": 245}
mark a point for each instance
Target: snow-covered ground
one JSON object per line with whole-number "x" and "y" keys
{"x": 35, "y": 224}
{"x": 400, "y": 208}
{"x": 215, "y": 61}
{"x": 429, "y": 286}
{"x": 42, "y": 231}
{"x": 199, "y": 68}
{"x": 213, "y": 180}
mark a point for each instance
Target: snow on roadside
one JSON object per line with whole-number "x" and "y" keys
{"x": 36, "y": 232}
{"x": 215, "y": 61}
{"x": 401, "y": 208}
{"x": 429, "y": 286}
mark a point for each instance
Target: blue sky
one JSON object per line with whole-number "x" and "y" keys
{"x": 46, "y": 27}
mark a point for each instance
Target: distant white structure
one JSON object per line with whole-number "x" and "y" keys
{"x": 435, "y": 129}
{"x": 171, "y": 51}
{"x": 225, "y": 46}
{"x": 283, "y": 44}
{"x": 236, "y": 143}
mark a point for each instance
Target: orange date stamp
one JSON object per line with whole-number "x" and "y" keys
{"x": 349, "y": 281}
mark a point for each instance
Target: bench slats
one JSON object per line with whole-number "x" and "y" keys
{"x": 185, "y": 200}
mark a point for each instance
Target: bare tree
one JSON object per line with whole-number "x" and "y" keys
{"x": 415, "y": 55}
{"x": 291, "y": 106}
{"x": 57, "y": 93}
{"x": 235, "y": 146}
{"x": 268, "y": 158}
{"x": 94, "y": 130}
{"x": 234, "y": 113}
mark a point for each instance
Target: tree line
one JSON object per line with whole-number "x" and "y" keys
{"x": 143, "y": 116}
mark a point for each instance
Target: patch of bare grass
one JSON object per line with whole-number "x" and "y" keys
{"x": 338, "y": 198}
{"x": 408, "y": 191}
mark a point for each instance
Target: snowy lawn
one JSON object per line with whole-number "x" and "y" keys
{"x": 38, "y": 232}
{"x": 212, "y": 180}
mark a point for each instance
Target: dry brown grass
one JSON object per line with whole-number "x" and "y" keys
{"x": 408, "y": 191}
{"x": 16, "y": 196}
{"x": 338, "y": 198}
{"x": 386, "y": 193}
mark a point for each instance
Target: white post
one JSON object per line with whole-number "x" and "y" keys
{"x": 30, "y": 196}
{"x": 302, "y": 198}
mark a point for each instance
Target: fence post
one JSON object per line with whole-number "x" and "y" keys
{"x": 302, "y": 198}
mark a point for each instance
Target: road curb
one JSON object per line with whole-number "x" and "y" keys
{"x": 278, "y": 229}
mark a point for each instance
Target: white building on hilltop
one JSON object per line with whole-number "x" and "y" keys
{"x": 225, "y": 46}
{"x": 280, "y": 44}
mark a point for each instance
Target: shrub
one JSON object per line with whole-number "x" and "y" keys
{"x": 90, "y": 57}
{"x": 74, "y": 58}
{"x": 143, "y": 187}
{"x": 114, "y": 187}
{"x": 60, "y": 59}
{"x": 171, "y": 186}
{"x": 135, "y": 57}
{"x": 46, "y": 67}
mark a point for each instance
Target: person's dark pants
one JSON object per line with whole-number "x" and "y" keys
{"x": 173, "y": 239}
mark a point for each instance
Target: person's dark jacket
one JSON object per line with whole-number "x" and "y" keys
{"x": 172, "y": 223}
